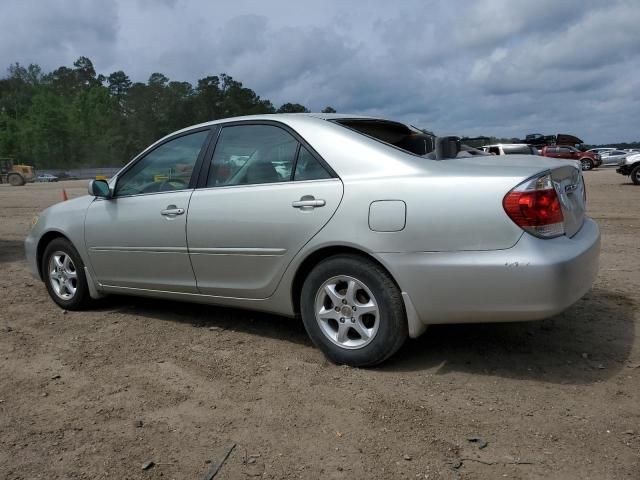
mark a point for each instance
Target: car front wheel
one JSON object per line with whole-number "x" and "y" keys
{"x": 587, "y": 164}
{"x": 353, "y": 311}
{"x": 63, "y": 273}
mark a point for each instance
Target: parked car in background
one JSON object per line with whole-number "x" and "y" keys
{"x": 611, "y": 158}
{"x": 600, "y": 150}
{"x": 588, "y": 160}
{"x": 630, "y": 166}
{"x": 350, "y": 222}
{"x": 510, "y": 149}
{"x": 538, "y": 140}
{"x": 46, "y": 177}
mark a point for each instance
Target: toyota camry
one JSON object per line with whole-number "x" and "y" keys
{"x": 368, "y": 229}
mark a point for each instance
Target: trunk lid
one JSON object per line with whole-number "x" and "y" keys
{"x": 566, "y": 176}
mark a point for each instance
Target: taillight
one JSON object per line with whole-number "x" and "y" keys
{"x": 535, "y": 207}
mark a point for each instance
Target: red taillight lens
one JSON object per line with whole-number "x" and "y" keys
{"x": 535, "y": 207}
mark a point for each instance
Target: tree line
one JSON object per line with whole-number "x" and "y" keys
{"x": 74, "y": 117}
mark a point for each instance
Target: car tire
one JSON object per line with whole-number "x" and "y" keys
{"x": 64, "y": 277}
{"x": 635, "y": 175}
{"x": 353, "y": 311}
{"x": 586, "y": 163}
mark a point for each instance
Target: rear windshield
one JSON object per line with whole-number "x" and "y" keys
{"x": 517, "y": 150}
{"x": 393, "y": 133}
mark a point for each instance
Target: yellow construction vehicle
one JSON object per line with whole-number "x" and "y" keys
{"x": 14, "y": 174}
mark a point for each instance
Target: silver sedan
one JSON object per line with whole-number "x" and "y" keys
{"x": 368, "y": 229}
{"x": 613, "y": 157}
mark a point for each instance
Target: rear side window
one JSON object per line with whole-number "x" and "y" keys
{"x": 252, "y": 154}
{"x": 308, "y": 167}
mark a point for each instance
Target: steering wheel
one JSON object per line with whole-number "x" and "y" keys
{"x": 173, "y": 184}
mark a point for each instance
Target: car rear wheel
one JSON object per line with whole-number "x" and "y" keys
{"x": 353, "y": 311}
{"x": 635, "y": 175}
{"x": 587, "y": 164}
{"x": 63, "y": 273}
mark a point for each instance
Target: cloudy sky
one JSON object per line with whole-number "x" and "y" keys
{"x": 493, "y": 67}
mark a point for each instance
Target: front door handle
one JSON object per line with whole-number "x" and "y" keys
{"x": 172, "y": 211}
{"x": 308, "y": 202}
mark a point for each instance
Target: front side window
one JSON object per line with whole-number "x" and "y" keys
{"x": 252, "y": 154}
{"x": 166, "y": 168}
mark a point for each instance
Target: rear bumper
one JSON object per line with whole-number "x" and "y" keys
{"x": 532, "y": 280}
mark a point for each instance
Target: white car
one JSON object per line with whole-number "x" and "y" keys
{"x": 510, "y": 149}
{"x": 46, "y": 177}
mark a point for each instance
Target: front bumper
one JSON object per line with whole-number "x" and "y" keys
{"x": 624, "y": 170}
{"x": 534, "y": 279}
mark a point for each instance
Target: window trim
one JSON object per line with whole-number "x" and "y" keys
{"x": 197, "y": 167}
{"x": 206, "y": 164}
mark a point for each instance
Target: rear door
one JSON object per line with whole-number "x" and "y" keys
{"x": 265, "y": 195}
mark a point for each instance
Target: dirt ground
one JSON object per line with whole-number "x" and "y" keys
{"x": 97, "y": 394}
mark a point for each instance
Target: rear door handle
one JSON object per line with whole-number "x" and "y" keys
{"x": 308, "y": 202}
{"x": 172, "y": 211}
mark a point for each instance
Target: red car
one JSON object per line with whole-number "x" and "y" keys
{"x": 588, "y": 160}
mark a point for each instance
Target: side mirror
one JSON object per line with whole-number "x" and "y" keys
{"x": 447, "y": 147}
{"x": 99, "y": 188}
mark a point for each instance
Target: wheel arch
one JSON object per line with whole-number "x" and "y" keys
{"x": 315, "y": 257}
{"x": 45, "y": 240}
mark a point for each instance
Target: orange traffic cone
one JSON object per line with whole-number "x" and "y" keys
{"x": 64, "y": 195}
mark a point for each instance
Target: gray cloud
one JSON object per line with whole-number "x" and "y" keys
{"x": 500, "y": 67}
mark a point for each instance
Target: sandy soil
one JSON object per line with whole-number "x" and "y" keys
{"x": 99, "y": 393}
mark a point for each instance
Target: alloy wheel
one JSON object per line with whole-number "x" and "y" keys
{"x": 63, "y": 275}
{"x": 347, "y": 312}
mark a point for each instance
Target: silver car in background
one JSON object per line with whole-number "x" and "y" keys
{"x": 612, "y": 158}
{"x": 368, "y": 229}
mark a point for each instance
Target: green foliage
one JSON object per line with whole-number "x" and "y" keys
{"x": 75, "y": 117}
{"x": 292, "y": 108}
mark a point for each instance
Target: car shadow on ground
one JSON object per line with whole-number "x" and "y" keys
{"x": 589, "y": 342}
{"x": 11, "y": 250}
{"x": 208, "y": 316}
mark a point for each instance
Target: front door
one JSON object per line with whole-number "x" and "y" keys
{"x": 266, "y": 196}
{"x": 137, "y": 239}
